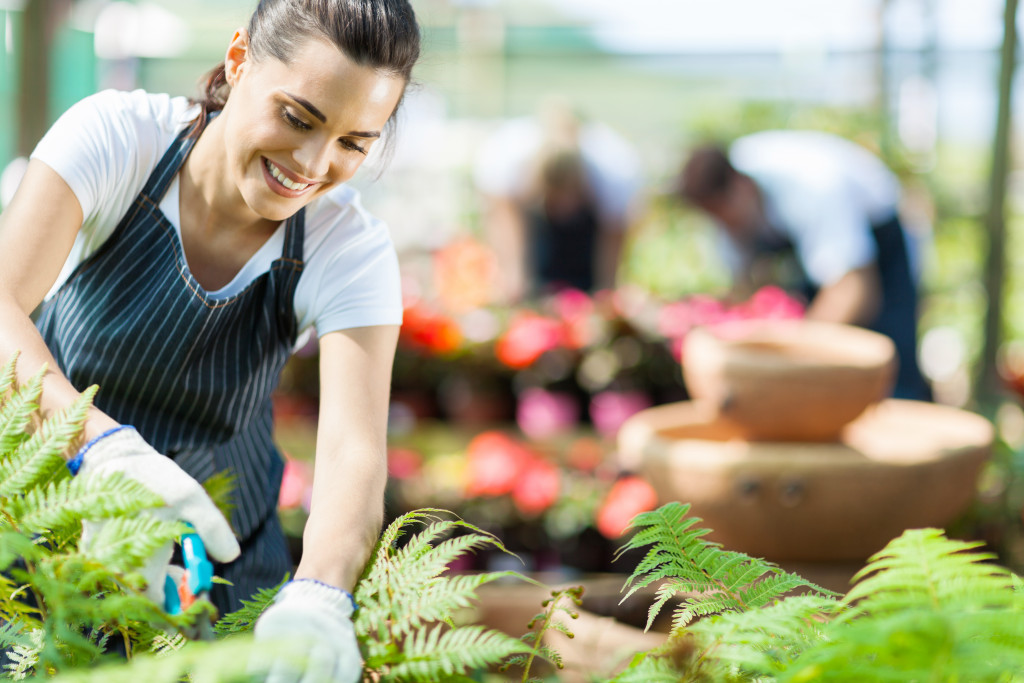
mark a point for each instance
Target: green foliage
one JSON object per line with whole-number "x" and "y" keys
{"x": 924, "y": 608}
{"x": 708, "y": 579}
{"x": 547, "y": 621}
{"x": 405, "y": 603}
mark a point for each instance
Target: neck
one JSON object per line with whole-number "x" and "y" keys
{"x": 210, "y": 200}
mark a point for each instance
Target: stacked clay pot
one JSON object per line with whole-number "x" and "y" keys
{"x": 790, "y": 451}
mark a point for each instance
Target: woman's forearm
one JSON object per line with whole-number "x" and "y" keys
{"x": 345, "y": 517}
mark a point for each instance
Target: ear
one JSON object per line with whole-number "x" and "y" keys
{"x": 236, "y": 57}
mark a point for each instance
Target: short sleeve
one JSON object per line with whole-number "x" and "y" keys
{"x": 351, "y": 275}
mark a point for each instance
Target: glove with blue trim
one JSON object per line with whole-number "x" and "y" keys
{"x": 316, "y": 620}
{"x": 123, "y": 450}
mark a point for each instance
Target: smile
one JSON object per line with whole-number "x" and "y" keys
{"x": 277, "y": 174}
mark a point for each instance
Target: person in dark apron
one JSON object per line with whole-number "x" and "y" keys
{"x": 185, "y": 373}
{"x": 881, "y": 295}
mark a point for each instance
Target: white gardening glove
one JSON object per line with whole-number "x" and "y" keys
{"x": 315, "y": 619}
{"x": 124, "y": 450}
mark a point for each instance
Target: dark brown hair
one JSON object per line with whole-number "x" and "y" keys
{"x": 381, "y": 34}
{"x": 706, "y": 175}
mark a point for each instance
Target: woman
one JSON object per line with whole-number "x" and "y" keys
{"x": 182, "y": 247}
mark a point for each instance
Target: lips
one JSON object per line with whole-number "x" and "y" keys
{"x": 283, "y": 182}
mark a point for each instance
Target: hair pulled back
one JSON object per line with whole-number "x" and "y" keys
{"x": 381, "y": 34}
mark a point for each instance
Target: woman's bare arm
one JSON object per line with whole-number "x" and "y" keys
{"x": 37, "y": 232}
{"x": 351, "y": 454}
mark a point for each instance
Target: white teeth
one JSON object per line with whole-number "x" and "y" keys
{"x": 283, "y": 179}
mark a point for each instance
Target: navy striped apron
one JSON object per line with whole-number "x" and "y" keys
{"x": 191, "y": 372}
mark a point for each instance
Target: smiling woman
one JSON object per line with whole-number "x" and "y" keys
{"x": 180, "y": 248}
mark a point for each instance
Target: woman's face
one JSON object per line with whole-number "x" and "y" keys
{"x": 293, "y": 131}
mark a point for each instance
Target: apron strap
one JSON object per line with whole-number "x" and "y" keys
{"x": 173, "y": 158}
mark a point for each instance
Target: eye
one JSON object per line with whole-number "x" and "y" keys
{"x": 349, "y": 144}
{"x": 294, "y": 121}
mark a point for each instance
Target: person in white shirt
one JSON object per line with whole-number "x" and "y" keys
{"x": 818, "y": 215}
{"x": 560, "y": 193}
{"x": 179, "y": 249}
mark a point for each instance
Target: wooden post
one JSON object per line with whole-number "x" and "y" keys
{"x": 39, "y": 23}
{"x": 987, "y": 382}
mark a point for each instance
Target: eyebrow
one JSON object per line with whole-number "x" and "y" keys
{"x": 311, "y": 108}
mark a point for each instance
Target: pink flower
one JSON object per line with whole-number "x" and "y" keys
{"x": 627, "y": 498}
{"x": 296, "y": 480}
{"x": 404, "y": 463}
{"x": 537, "y": 487}
{"x": 542, "y": 414}
{"x": 609, "y": 409}
{"x": 773, "y": 302}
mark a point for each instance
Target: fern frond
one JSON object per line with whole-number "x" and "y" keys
{"x": 36, "y": 459}
{"x": 923, "y": 568}
{"x": 123, "y": 544}
{"x": 220, "y": 487}
{"x": 8, "y": 376}
{"x": 765, "y": 641}
{"x": 438, "y": 600}
{"x": 17, "y": 411}
{"x": 243, "y": 619}
{"x": 650, "y": 669}
{"x": 444, "y": 651}
{"x": 681, "y": 561}
{"x": 68, "y": 502}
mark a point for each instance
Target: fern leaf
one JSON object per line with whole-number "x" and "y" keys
{"x": 123, "y": 544}
{"x": 243, "y": 619}
{"x": 8, "y": 376}
{"x": 70, "y": 501}
{"x": 220, "y": 487}
{"x": 35, "y": 459}
{"x": 442, "y": 652}
{"x": 650, "y": 669}
{"x": 16, "y": 412}
{"x": 923, "y": 568}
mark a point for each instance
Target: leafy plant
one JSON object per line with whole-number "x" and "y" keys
{"x": 547, "y": 622}
{"x": 925, "y": 608}
{"x": 405, "y": 603}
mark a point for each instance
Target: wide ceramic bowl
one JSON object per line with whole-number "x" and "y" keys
{"x": 788, "y": 380}
{"x": 900, "y": 465}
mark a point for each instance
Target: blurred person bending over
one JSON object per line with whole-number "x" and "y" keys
{"x": 817, "y": 215}
{"x": 560, "y": 194}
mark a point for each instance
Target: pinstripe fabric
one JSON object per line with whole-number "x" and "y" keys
{"x": 192, "y": 373}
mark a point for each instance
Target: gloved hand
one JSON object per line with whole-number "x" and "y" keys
{"x": 316, "y": 620}
{"x": 124, "y": 450}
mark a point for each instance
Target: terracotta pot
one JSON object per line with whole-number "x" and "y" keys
{"x": 788, "y": 380}
{"x": 901, "y": 465}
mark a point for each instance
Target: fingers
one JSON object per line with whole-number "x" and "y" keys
{"x": 213, "y": 529}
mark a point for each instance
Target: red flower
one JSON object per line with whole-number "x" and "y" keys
{"x": 494, "y": 462}
{"x": 427, "y": 329}
{"x": 529, "y": 336}
{"x": 537, "y": 487}
{"x": 627, "y": 498}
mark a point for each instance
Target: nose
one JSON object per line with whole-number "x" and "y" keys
{"x": 314, "y": 158}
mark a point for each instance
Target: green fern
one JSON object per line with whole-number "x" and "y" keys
{"x": 243, "y": 619}
{"x": 710, "y": 580}
{"x": 547, "y": 622}
{"x": 924, "y": 608}
{"x": 405, "y": 601}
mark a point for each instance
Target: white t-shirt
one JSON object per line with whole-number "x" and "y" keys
{"x": 822, "y": 192}
{"x": 610, "y": 163}
{"x": 105, "y": 148}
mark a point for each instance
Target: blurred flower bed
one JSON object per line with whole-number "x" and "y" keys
{"x": 507, "y": 415}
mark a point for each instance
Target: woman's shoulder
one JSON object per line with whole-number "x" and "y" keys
{"x": 339, "y": 221}
{"x": 141, "y": 109}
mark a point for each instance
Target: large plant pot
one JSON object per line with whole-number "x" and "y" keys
{"x": 788, "y": 380}
{"x": 900, "y": 465}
